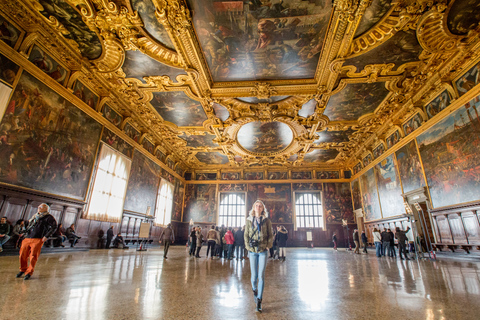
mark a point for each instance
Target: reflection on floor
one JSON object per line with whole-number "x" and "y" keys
{"x": 310, "y": 284}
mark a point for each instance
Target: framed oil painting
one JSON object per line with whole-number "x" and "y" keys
{"x": 449, "y": 152}
{"x": 8, "y": 70}
{"x": 230, "y": 175}
{"x": 437, "y": 104}
{"x": 328, "y": 175}
{"x": 367, "y": 160}
{"x": 258, "y": 175}
{"x": 301, "y": 175}
{"x": 178, "y": 200}
{"x": 232, "y": 187}
{"x": 356, "y": 195}
{"x": 206, "y": 176}
{"x": 117, "y": 143}
{"x": 142, "y": 185}
{"x": 47, "y": 64}
{"x": 304, "y": 186}
{"x": 378, "y": 151}
{"x": 409, "y": 167}
{"x": 357, "y": 168}
{"x": 468, "y": 80}
{"x": 412, "y": 124}
{"x": 9, "y": 33}
{"x": 131, "y": 132}
{"x": 200, "y": 203}
{"x": 148, "y": 145}
{"x": 160, "y": 155}
{"x": 58, "y": 153}
{"x": 85, "y": 94}
{"x": 111, "y": 115}
{"x": 337, "y": 201}
{"x": 170, "y": 163}
{"x": 276, "y": 197}
{"x": 393, "y": 139}
{"x": 371, "y": 204}
{"x": 167, "y": 175}
{"x": 389, "y": 188}
{"x": 277, "y": 175}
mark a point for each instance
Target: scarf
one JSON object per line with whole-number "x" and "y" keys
{"x": 37, "y": 216}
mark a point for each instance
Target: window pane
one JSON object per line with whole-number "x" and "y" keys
{"x": 308, "y": 210}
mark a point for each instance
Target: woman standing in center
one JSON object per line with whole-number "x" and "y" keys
{"x": 258, "y": 239}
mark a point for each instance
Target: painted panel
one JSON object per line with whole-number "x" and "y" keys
{"x": 356, "y": 195}
{"x": 378, "y": 151}
{"x": 393, "y": 139}
{"x": 334, "y": 136}
{"x": 138, "y": 65}
{"x": 437, "y": 105}
{"x": 212, "y": 157}
{"x": 111, "y": 115}
{"x": 372, "y": 15}
{"x": 413, "y": 124}
{"x": 272, "y": 99}
{"x": 221, "y": 112}
{"x": 167, "y": 175}
{"x": 302, "y": 186}
{"x": 178, "y": 200}
{"x": 449, "y": 151}
{"x": 410, "y": 167}
{"x": 132, "y": 132}
{"x": 320, "y": 155}
{"x": 206, "y": 176}
{"x": 367, "y": 160}
{"x": 180, "y": 171}
{"x": 8, "y": 32}
{"x": 357, "y": 168}
{"x": 47, "y": 64}
{"x": 302, "y": 175}
{"x": 371, "y": 204}
{"x": 276, "y": 197}
{"x": 355, "y": 100}
{"x": 160, "y": 155}
{"x": 463, "y": 16}
{"x": 328, "y": 175}
{"x": 261, "y": 40}
{"x": 87, "y": 40}
{"x": 337, "y": 199}
{"x": 389, "y": 188}
{"x": 147, "y": 145}
{"x": 253, "y": 175}
{"x": 469, "y": 80}
{"x": 200, "y": 203}
{"x": 57, "y": 154}
{"x": 403, "y": 47}
{"x": 230, "y": 175}
{"x": 85, "y": 94}
{"x": 197, "y": 141}
{"x": 170, "y": 163}
{"x": 8, "y": 70}
{"x": 117, "y": 143}
{"x": 142, "y": 185}
{"x": 308, "y": 109}
{"x": 178, "y": 109}
{"x": 267, "y": 137}
{"x": 278, "y": 175}
{"x": 232, "y": 187}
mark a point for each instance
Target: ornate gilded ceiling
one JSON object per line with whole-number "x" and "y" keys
{"x": 233, "y": 84}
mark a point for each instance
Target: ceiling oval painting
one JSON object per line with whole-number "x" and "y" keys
{"x": 178, "y": 109}
{"x": 138, "y": 65}
{"x": 146, "y": 11}
{"x": 253, "y": 40}
{"x": 372, "y": 15}
{"x": 88, "y": 42}
{"x": 265, "y": 138}
{"x": 464, "y": 15}
{"x": 355, "y": 100}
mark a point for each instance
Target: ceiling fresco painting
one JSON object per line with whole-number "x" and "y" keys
{"x": 257, "y": 100}
{"x": 211, "y": 157}
{"x": 48, "y": 65}
{"x": 261, "y": 40}
{"x": 221, "y": 112}
{"x": 308, "y": 109}
{"x": 355, "y": 100}
{"x": 319, "y": 155}
{"x": 178, "y": 109}
{"x": 196, "y": 141}
{"x": 137, "y": 65}
{"x": 146, "y": 11}
{"x": 334, "y": 136}
{"x": 438, "y": 104}
{"x": 268, "y": 137}
{"x": 463, "y": 16}
{"x": 372, "y": 15}
{"x": 88, "y": 42}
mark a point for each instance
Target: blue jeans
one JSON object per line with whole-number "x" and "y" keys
{"x": 258, "y": 264}
{"x": 3, "y": 240}
{"x": 239, "y": 251}
{"x": 230, "y": 250}
{"x": 378, "y": 248}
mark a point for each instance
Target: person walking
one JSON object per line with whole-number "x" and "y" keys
{"x": 357, "y": 241}
{"x": 282, "y": 236}
{"x": 199, "y": 237}
{"x": 377, "y": 240}
{"x": 392, "y": 252}
{"x": 193, "y": 241}
{"x": 239, "y": 243}
{"x": 258, "y": 239}
{"x": 334, "y": 240}
{"x": 168, "y": 237}
{"x": 230, "y": 240}
{"x": 402, "y": 237}
{"x": 40, "y": 227}
{"x": 385, "y": 242}
{"x": 211, "y": 241}
{"x": 109, "y": 237}
{"x": 364, "y": 241}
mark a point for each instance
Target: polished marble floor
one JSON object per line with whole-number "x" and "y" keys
{"x": 310, "y": 284}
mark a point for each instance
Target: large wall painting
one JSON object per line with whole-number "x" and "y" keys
{"x": 178, "y": 200}
{"x": 167, "y": 175}
{"x": 200, "y": 203}
{"x": 255, "y": 175}
{"x": 206, "y": 176}
{"x": 468, "y": 80}
{"x": 371, "y": 204}
{"x": 261, "y": 40}
{"x": 321, "y": 155}
{"x": 410, "y": 168}
{"x": 87, "y": 40}
{"x": 111, "y": 115}
{"x": 337, "y": 201}
{"x": 232, "y": 187}
{"x": 437, "y": 105}
{"x": 85, "y": 94}
{"x": 413, "y": 124}
{"x": 355, "y": 100}
{"x": 48, "y": 65}
{"x": 328, "y": 175}
{"x": 356, "y": 195}
{"x": 8, "y": 70}
{"x": 8, "y": 32}
{"x": 211, "y": 157}
{"x": 230, "y": 176}
{"x": 117, "y": 143}
{"x": 298, "y": 175}
{"x": 142, "y": 185}
{"x": 305, "y": 186}
{"x": 463, "y": 16}
{"x": 393, "y": 139}
{"x": 179, "y": 109}
{"x": 56, "y": 154}
{"x": 389, "y": 188}
{"x": 196, "y": 141}
{"x": 138, "y": 65}
{"x": 451, "y": 156}
{"x": 267, "y": 137}
{"x": 372, "y": 15}
{"x": 277, "y": 199}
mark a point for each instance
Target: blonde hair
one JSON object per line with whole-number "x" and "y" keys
{"x": 264, "y": 212}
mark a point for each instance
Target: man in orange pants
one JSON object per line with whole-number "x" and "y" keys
{"x": 40, "y": 227}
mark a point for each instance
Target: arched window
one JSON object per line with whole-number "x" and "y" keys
{"x": 232, "y": 212}
{"x": 163, "y": 209}
{"x": 308, "y": 210}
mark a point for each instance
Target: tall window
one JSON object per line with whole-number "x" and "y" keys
{"x": 232, "y": 211}
{"x": 308, "y": 210}
{"x": 109, "y": 187}
{"x": 163, "y": 209}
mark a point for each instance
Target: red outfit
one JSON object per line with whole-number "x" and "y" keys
{"x": 30, "y": 248}
{"x": 229, "y": 239}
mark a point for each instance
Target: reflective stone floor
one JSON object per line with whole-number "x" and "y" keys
{"x": 310, "y": 284}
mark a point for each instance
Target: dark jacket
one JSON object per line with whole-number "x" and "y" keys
{"x": 355, "y": 236}
{"x": 71, "y": 234}
{"x": 392, "y": 238}
{"x": 44, "y": 227}
{"x": 364, "y": 237}
{"x": 5, "y": 228}
{"x": 282, "y": 237}
{"x": 239, "y": 240}
{"x": 334, "y": 238}
{"x": 110, "y": 234}
{"x": 401, "y": 235}
{"x": 386, "y": 236}
{"x": 59, "y": 232}
{"x": 167, "y": 234}
{"x": 193, "y": 236}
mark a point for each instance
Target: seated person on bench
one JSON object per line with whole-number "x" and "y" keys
{"x": 71, "y": 236}
{"x": 60, "y": 235}
{"x": 119, "y": 243}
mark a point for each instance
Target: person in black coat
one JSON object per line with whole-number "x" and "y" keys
{"x": 239, "y": 243}
{"x": 282, "y": 236}
{"x": 364, "y": 241}
{"x": 109, "y": 237}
